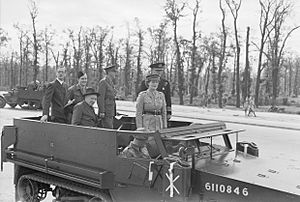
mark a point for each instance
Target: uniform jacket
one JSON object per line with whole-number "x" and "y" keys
{"x": 106, "y": 99}
{"x": 55, "y": 96}
{"x": 75, "y": 92}
{"x": 163, "y": 86}
{"x": 148, "y": 101}
{"x": 84, "y": 115}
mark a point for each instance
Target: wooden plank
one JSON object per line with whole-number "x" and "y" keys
{"x": 194, "y": 136}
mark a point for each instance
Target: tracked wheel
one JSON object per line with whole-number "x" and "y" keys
{"x": 12, "y": 105}
{"x": 2, "y": 102}
{"x": 27, "y": 190}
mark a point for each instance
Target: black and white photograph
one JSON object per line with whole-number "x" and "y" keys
{"x": 150, "y": 100}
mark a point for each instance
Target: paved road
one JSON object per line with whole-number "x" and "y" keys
{"x": 279, "y": 148}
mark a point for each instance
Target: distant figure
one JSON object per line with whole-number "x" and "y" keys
{"x": 84, "y": 113}
{"x": 251, "y": 107}
{"x": 106, "y": 100}
{"x": 163, "y": 86}
{"x": 75, "y": 94}
{"x": 55, "y": 96}
{"x": 246, "y": 106}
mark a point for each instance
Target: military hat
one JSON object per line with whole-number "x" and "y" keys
{"x": 90, "y": 91}
{"x": 80, "y": 74}
{"x": 151, "y": 77}
{"x": 111, "y": 68}
{"x": 158, "y": 66}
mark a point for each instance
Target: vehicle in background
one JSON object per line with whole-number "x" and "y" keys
{"x": 26, "y": 97}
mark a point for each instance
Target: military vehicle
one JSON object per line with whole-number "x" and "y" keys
{"x": 29, "y": 96}
{"x": 2, "y": 101}
{"x": 194, "y": 162}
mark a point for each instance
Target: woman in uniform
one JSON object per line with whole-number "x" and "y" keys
{"x": 75, "y": 94}
{"x": 151, "y": 112}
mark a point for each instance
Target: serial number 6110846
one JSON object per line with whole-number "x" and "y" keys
{"x": 221, "y": 188}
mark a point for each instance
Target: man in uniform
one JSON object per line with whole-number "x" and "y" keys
{"x": 163, "y": 86}
{"x": 55, "y": 96}
{"x": 84, "y": 113}
{"x": 106, "y": 100}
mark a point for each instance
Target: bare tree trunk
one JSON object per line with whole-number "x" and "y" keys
{"x": 296, "y": 82}
{"x": 221, "y": 58}
{"x": 234, "y": 9}
{"x": 192, "y": 83}
{"x": 11, "y": 83}
{"x": 173, "y": 12}
{"x": 290, "y": 78}
{"x": 33, "y": 14}
{"x": 139, "y": 69}
{"x": 246, "y": 77}
{"x": 127, "y": 68}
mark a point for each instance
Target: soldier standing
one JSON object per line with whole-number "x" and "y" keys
{"x": 106, "y": 100}
{"x": 163, "y": 86}
{"x": 151, "y": 113}
{"x": 151, "y": 106}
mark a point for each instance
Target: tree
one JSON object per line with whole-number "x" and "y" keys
{"x": 174, "y": 13}
{"x": 127, "y": 67}
{"x": 48, "y": 43}
{"x": 139, "y": 56}
{"x": 77, "y": 51}
{"x": 192, "y": 83}
{"x": 99, "y": 36}
{"x": 22, "y": 35}
{"x": 277, "y": 43}
{"x": 222, "y": 57}
{"x": 234, "y": 7}
{"x": 36, "y": 45}
{"x": 246, "y": 75}
{"x": 265, "y": 20}
{"x": 297, "y": 76}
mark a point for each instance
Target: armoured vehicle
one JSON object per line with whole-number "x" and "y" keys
{"x": 195, "y": 162}
{"x": 30, "y": 96}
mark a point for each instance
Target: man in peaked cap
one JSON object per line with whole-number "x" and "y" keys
{"x": 106, "y": 100}
{"x": 84, "y": 113}
{"x": 163, "y": 86}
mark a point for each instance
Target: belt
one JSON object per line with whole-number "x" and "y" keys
{"x": 152, "y": 112}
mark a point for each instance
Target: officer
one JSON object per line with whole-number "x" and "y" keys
{"x": 151, "y": 106}
{"x": 106, "y": 100}
{"x": 163, "y": 86}
{"x": 84, "y": 113}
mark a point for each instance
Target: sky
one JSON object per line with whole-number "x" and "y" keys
{"x": 62, "y": 14}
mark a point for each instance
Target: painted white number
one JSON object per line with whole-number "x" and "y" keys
{"x": 229, "y": 189}
{"x": 222, "y": 188}
{"x": 207, "y": 186}
{"x": 245, "y": 192}
{"x": 226, "y": 189}
{"x": 237, "y": 191}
